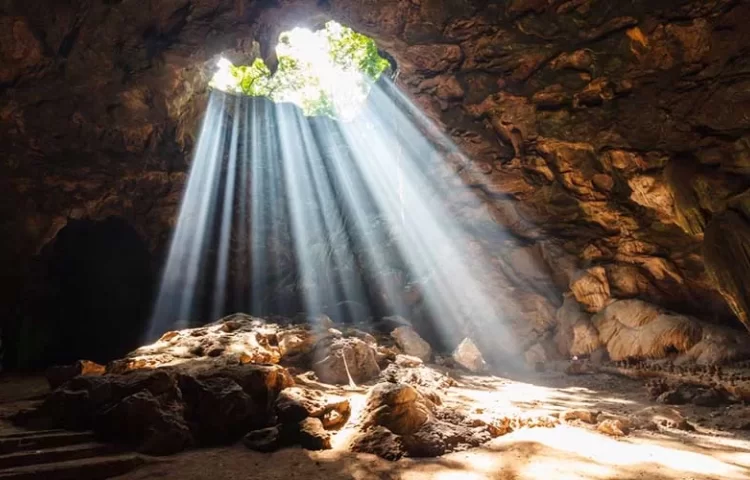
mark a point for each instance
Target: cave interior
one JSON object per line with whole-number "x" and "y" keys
{"x": 524, "y": 254}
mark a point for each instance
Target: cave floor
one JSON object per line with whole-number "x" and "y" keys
{"x": 718, "y": 447}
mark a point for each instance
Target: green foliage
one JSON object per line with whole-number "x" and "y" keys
{"x": 352, "y": 50}
{"x": 254, "y": 80}
{"x": 297, "y": 78}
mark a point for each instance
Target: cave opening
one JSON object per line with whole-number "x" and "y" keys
{"x": 96, "y": 295}
{"x": 327, "y": 71}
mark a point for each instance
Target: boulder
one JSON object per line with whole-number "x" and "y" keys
{"x": 294, "y": 404}
{"x": 312, "y": 436}
{"x": 437, "y": 437}
{"x": 398, "y": 407}
{"x": 234, "y": 339}
{"x": 379, "y": 441}
{"x": 164, "y": 410}
{"x": 638, "y": 329}
{"x": 143, "y": 421}
{"x": 469, "y": 357}
{"x": 409, "y": 341}
{"x": 218, "y": 409}
{"x": 400, "y": 420}
{"x": 58, "y": 375}
{"x": 343, "y": 360}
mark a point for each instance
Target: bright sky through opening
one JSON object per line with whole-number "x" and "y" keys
{"x": 319, "y": 71}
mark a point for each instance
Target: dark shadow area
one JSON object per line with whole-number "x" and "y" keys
{"x": 89, "y": 297}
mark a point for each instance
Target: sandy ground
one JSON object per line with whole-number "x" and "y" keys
{"x": 717, "y": 449}
{"x": 562, "y": 452}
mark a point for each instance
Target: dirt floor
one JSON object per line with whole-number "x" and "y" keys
{"x": 718, "y": 448}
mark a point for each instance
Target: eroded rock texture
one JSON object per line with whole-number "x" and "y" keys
{"x": 605, "y": 136}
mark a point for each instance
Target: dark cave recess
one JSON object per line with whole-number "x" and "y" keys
{"x": 91, "y": 297}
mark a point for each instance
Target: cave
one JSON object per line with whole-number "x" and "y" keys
{"x": 98, "y": 283}
{"x": 493, "y": 239}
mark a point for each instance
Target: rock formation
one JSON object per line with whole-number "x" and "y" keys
{"x": 609, "y": 139}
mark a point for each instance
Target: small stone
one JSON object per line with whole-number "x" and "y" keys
{"x": 312, "y": 435}
{"x": 579, "y": 414}
{"x": 672, "y": 397}
{"x": 469, "y": 357}
{"x": 613, "y": 427}
{"x": 263, "y": 440}
{"x": 661, "y": 416}
{"x": 408, "y": 361}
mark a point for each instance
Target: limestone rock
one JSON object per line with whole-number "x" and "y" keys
{"x": 409, "y": 341}
{"x": 600, "y": 180}
{"x": 164, "y": 410}
{"x": 436, "y": 438}
{"x": 613, "y": 427}
{"x": 591, "y": 288}
{"x": 400, "y": 420}
{"x": 586, "y": 416}
{"x": 217, "y": 408}
{"x": 237, "y": 338}
{"x": 264, "y": 440}
{"x": 469, "y": 357}
{"x": 399, "y": 408}
{"x": 575, "y": 335}
{"x": 407, "y": 361}
{"x": 637, "y": 329}
{"x": 673, "y": 397}
{"x": 56, "y": 376}
{"x": 660, "y": 417}
{"x": 379, "y": 441}
{"x": 141, "y": 419}
{"x": 312, "y": 435}
{"x": 339, "y": 360}
{"x": 294, "y": 404}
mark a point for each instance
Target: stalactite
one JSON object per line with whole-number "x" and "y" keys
{"x": 679, "y": 174}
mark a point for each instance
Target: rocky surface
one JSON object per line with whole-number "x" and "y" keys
{"x": 398, "y": 420}
{"x": 261, "y": 391}
{"x": 606, "y": 138}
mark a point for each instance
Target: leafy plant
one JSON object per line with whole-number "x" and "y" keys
{"x": 298, "y": 78}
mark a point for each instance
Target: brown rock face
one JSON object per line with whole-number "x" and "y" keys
{"x": 343, "y": 360}
{"x": 400, "y": 420}
{"x": 579, "y": 119}
{"x": 165, "y": 410}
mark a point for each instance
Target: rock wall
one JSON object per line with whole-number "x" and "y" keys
{"x": 605, "y": 136}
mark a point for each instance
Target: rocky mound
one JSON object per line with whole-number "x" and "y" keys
{"x": 400, "y": 420}
{"x": 233, "y": 378}
{"x": 165, "y": 410}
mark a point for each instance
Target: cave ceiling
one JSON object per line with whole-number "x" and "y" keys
{"x": 582, "y": 120}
